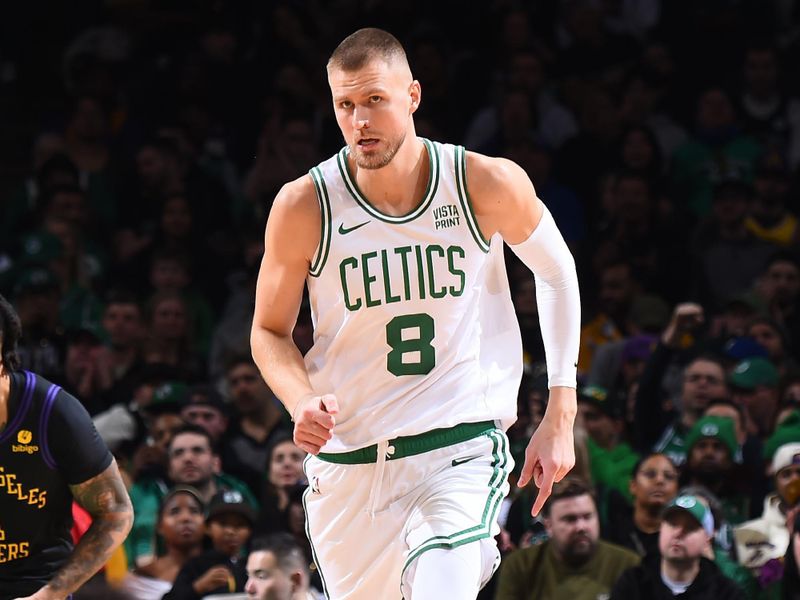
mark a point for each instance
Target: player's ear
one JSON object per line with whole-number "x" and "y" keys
{"x": 415, "y": 93}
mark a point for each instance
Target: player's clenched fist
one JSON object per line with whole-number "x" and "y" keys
{"x": 314, "y": 418}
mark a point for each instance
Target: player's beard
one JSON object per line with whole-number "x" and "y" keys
{"x": 377, "y": 160}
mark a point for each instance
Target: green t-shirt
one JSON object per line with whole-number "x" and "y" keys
{"x": 535, "y": 573}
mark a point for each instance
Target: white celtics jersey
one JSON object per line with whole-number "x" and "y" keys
{"x": 414, "y": 328}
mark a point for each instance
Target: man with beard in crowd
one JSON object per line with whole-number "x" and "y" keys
{"x": 713, "y": 452}
{"x": 573, "y": 563}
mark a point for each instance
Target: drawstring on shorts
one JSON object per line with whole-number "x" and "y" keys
{"x": 384, "y": 452}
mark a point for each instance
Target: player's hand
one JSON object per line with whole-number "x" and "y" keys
{"x": 685, "y": 318}
{"x": 549, "y": 456}
{"x": 214, "y": 578}
{"x": 314, "y": 418}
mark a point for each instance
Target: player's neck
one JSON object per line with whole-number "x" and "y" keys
{"x": 397, "y": 188}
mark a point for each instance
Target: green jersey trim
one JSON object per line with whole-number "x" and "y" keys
{"x": 325, "y": 223}
{"x": 464, "y": 198}
{"x": 493, "y": 501}
{"x": 308, "y": 531}
{"x": 361, "y": 200}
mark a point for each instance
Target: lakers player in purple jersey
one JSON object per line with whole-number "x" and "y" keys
{"x": 50, "y": 455}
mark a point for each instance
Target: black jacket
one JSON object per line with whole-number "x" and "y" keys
{"x": 195, "y": 568}
{"x": 644, "y": 583}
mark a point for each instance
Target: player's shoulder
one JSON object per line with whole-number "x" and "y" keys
{"x": 297, "y": 195}
{"x": 492, "y": 182}
{"x": 485, "y": 173}
{"x": 296, "y": 207}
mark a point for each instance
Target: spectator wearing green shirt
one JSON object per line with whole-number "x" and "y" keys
{"x": 573, "y": 564}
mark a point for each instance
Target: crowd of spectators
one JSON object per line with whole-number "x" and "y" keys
{"x": 143, "y": 143}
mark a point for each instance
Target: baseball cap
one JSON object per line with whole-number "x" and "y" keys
{"x": 638, "y": 347}
{"x": 204, "y": 395}
{"x": 711, "y": 426}
{"x": 230, "y": 502}
{"x": 40, "y": 248}
{"x": 599, "y": 397}
{"x": 785, "y": 456}
{"x": 35, "y": 279}
{"x": 182, "y": 489}
{"x": 167, "y": 397}
{"x": 753, "y": 372}
{"x": 695, "y": 507}
{"x": 744, "y": 347}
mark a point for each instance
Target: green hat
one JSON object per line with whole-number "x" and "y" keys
{"x": 167, "y": 397}
{"x": 720, "y": 428}
{"x": 787, "y": 432}
{"x": 754, "y": 372}
{"x": 695, "y": 507}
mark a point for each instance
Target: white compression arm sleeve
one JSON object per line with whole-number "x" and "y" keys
{"x": 557, "y": 295}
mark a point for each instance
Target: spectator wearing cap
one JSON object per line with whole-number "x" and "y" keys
{"x": 752, "y": 450}
{"x": 720, "y": 550}
{"x": 653, "y": 485}
{"x": 277, "y": 569}
{"x": 181, "y": 526}
{"x": 713, "y": 451}
{"x": 681, "y": 568}
{"x": 37, "y": 297}
{"x": 573, "y": 563}
{"x": 754, "y": 385}
{"x": 701, "y": 381}
{"x": 192, "y": 459}
{"x": 767, "y": 538}
{"x": 611, "y": 459}
{"x": 257, "y": 419}
{"x": 220, "y": 570}
{"x": 204, "y": 406}
{"x": 619, "y": 364}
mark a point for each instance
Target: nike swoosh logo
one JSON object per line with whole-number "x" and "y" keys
{"x": 345, "y": 230}
{"x": 457, "y": 462}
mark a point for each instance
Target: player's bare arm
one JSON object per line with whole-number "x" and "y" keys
{"x": 291, "y": 239}
{"x": 104, "y": 497}
{"x": 505, "y": 202}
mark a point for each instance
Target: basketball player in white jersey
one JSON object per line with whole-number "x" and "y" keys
{"x": 403, "y": 400}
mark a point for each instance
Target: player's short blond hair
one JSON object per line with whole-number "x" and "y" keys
{"x": 365, "y": 45}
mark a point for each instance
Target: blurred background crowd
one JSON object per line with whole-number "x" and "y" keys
{"x": 142, "y": 143}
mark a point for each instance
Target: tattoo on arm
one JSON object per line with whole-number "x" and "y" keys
{"x": 105, "y": 498}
